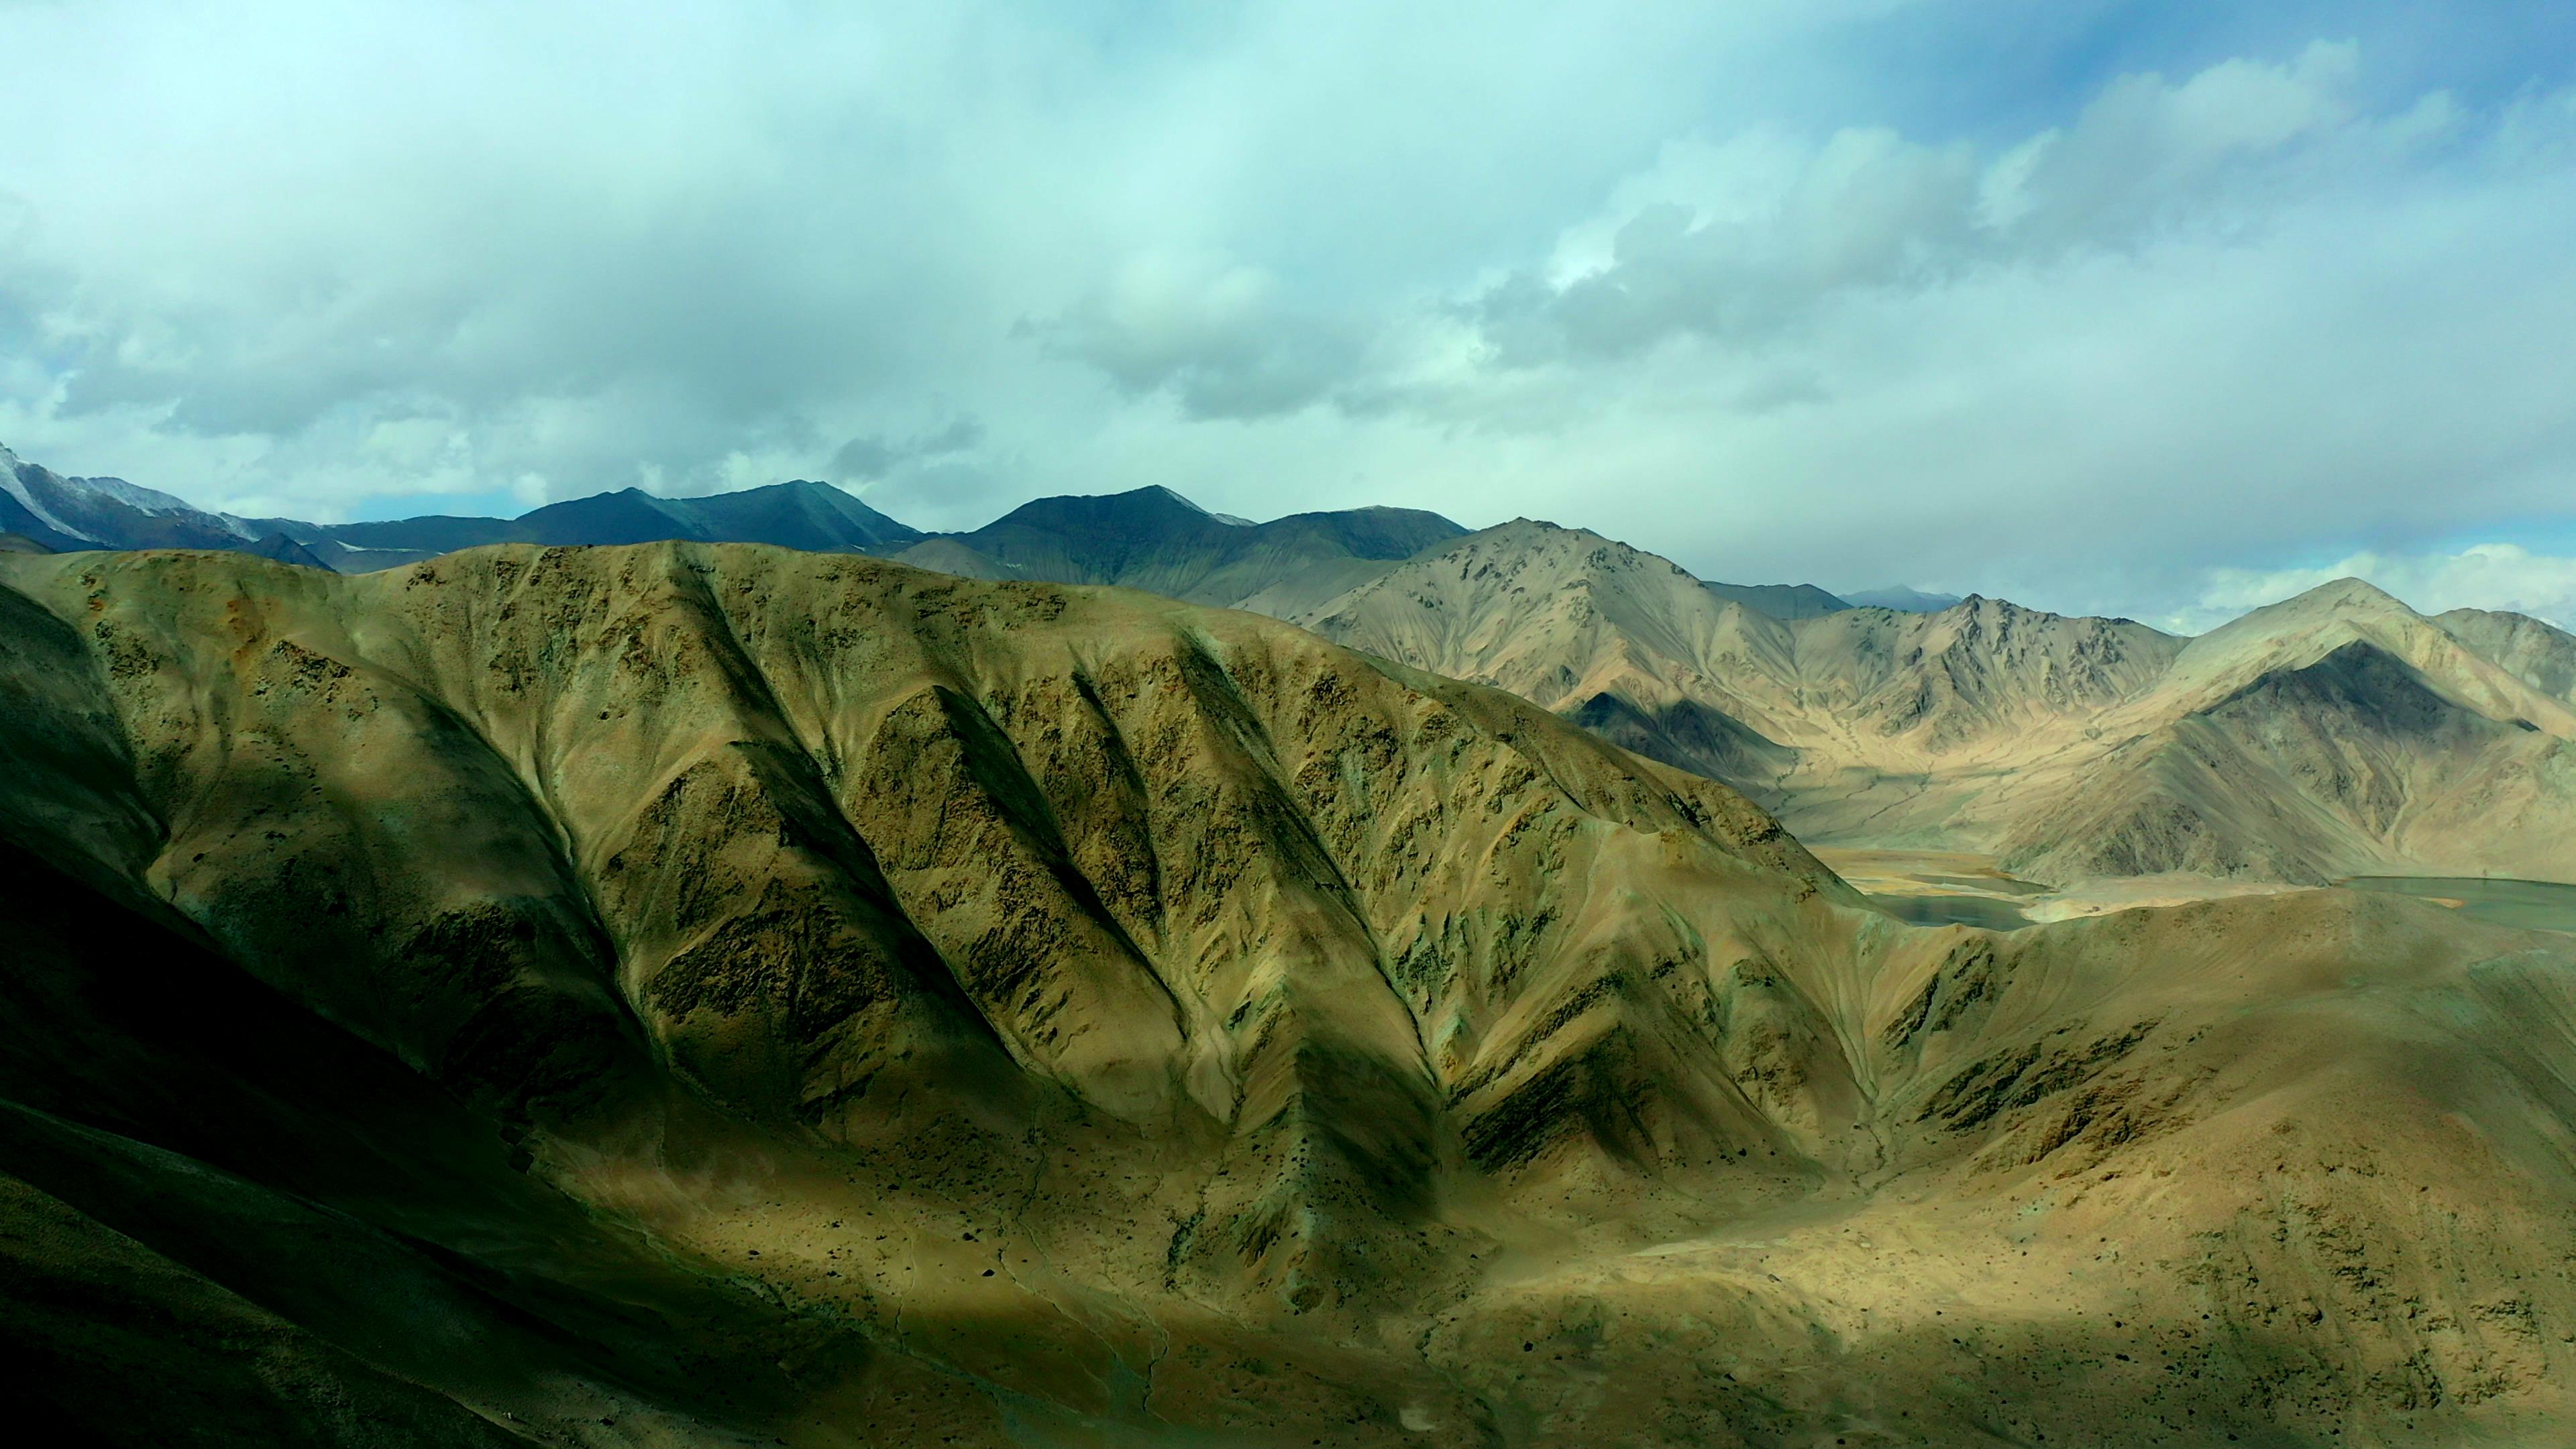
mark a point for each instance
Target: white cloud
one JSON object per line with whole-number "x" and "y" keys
{"x": 1220, "y": 336}
{"x": 598, "y": 239}
{"x": 1740, "y": 237}
{"x": 1718, "y": 279}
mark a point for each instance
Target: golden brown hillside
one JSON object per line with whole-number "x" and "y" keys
{"x": 692, "y": 994}
{"x": 2338, "y": 733}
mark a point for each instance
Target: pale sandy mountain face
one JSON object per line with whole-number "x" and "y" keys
{"x": 1616, "y": 638}
{"x": 1561, "y": 616}
{"x": 686, "y": 994}
{"x": 2334, "y": 734}
{"x": 2540, "y": 655}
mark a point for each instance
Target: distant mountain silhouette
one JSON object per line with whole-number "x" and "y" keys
{"x": 1148, "y": 538}
{"x": 1903, "y": 600}
{"x": 1782, "y": 601}
{"x": 286, "y": 550}
{"x": 1154, "y": 539}
{"x": 66, "y": 514}
{"x": 813, "y": 516}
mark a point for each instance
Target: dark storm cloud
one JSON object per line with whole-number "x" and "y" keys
{"x": 866, "y": 459}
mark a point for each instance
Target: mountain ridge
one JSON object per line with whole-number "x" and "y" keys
{"x": 2075, "y": 748}
{"x": 1154, "y": 539}
{"x": 72, "y": 513}
{"x": 2070, "y": 749}
{"x": 1278, "y": 567}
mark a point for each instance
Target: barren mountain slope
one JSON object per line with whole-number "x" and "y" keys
{"x": 1562, "y": 615}
{"x": 1805, "y": 712}
{"x": 928, "y": 1008}
{"x": 1983, "y": 680}
{"x": 67, "y": 514}
{"x": 1619, "y": 640}
{"x": 2335, "y": 733}
{"x": 2538, "y": 654}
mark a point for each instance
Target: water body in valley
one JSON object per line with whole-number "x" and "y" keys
{"x": 1985, "y": 912}
{"x": 2531, "y": 904}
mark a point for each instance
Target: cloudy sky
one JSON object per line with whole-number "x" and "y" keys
{"x": 2160, "y": 309}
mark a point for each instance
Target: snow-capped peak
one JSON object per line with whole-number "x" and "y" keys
{"x": 29, "y": 484}
{"x": 149, "y": 500}
{"x": 13, "y": 481}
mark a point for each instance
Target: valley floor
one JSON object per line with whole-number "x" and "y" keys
{"x": 1942, "y": 887}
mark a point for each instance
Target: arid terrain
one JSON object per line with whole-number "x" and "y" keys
{"x": 2336, "y": 734}
{"x": 2333, "y": 735}
{"x": 713, "y": 994}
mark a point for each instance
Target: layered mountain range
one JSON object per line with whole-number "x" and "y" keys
{"x": 66, "y": 514}
{"x": 715, "y": 994}
{"x": 2337, "y": 733}
{"x": 2333, "y": 735}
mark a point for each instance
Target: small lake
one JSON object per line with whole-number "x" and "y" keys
{"x": 1984, "y": 912}
{"x": 2534, "y": 905}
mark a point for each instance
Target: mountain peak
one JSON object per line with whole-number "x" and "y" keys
{"x": 104, "y": 512}
{"x": 789, "y": 488}
{"x": 1520, "y": 529}
{"x": 1152, "y": 500}
{"x": 2352, "y": 592}
{"x": 1157, "y": 490}
{"x": 2327, "y": 601}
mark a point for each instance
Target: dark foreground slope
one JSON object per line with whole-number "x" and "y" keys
{"x": 685, "y": 994}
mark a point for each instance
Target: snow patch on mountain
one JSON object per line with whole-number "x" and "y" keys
{"x": 13, "y": 481}
{"x": 29, "y": 485}
{"x": 1205, "y": 512}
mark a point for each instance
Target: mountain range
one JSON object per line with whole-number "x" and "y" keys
{"x": 1156, "y": 540}
{"x": 2335, "y": 735}
{"x": 65, "y": 514}
{"x": 1149, "y": 538}
{"x": 715, "y": 994}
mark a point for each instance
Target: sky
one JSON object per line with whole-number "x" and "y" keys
{"x": 2163, "y": 310}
